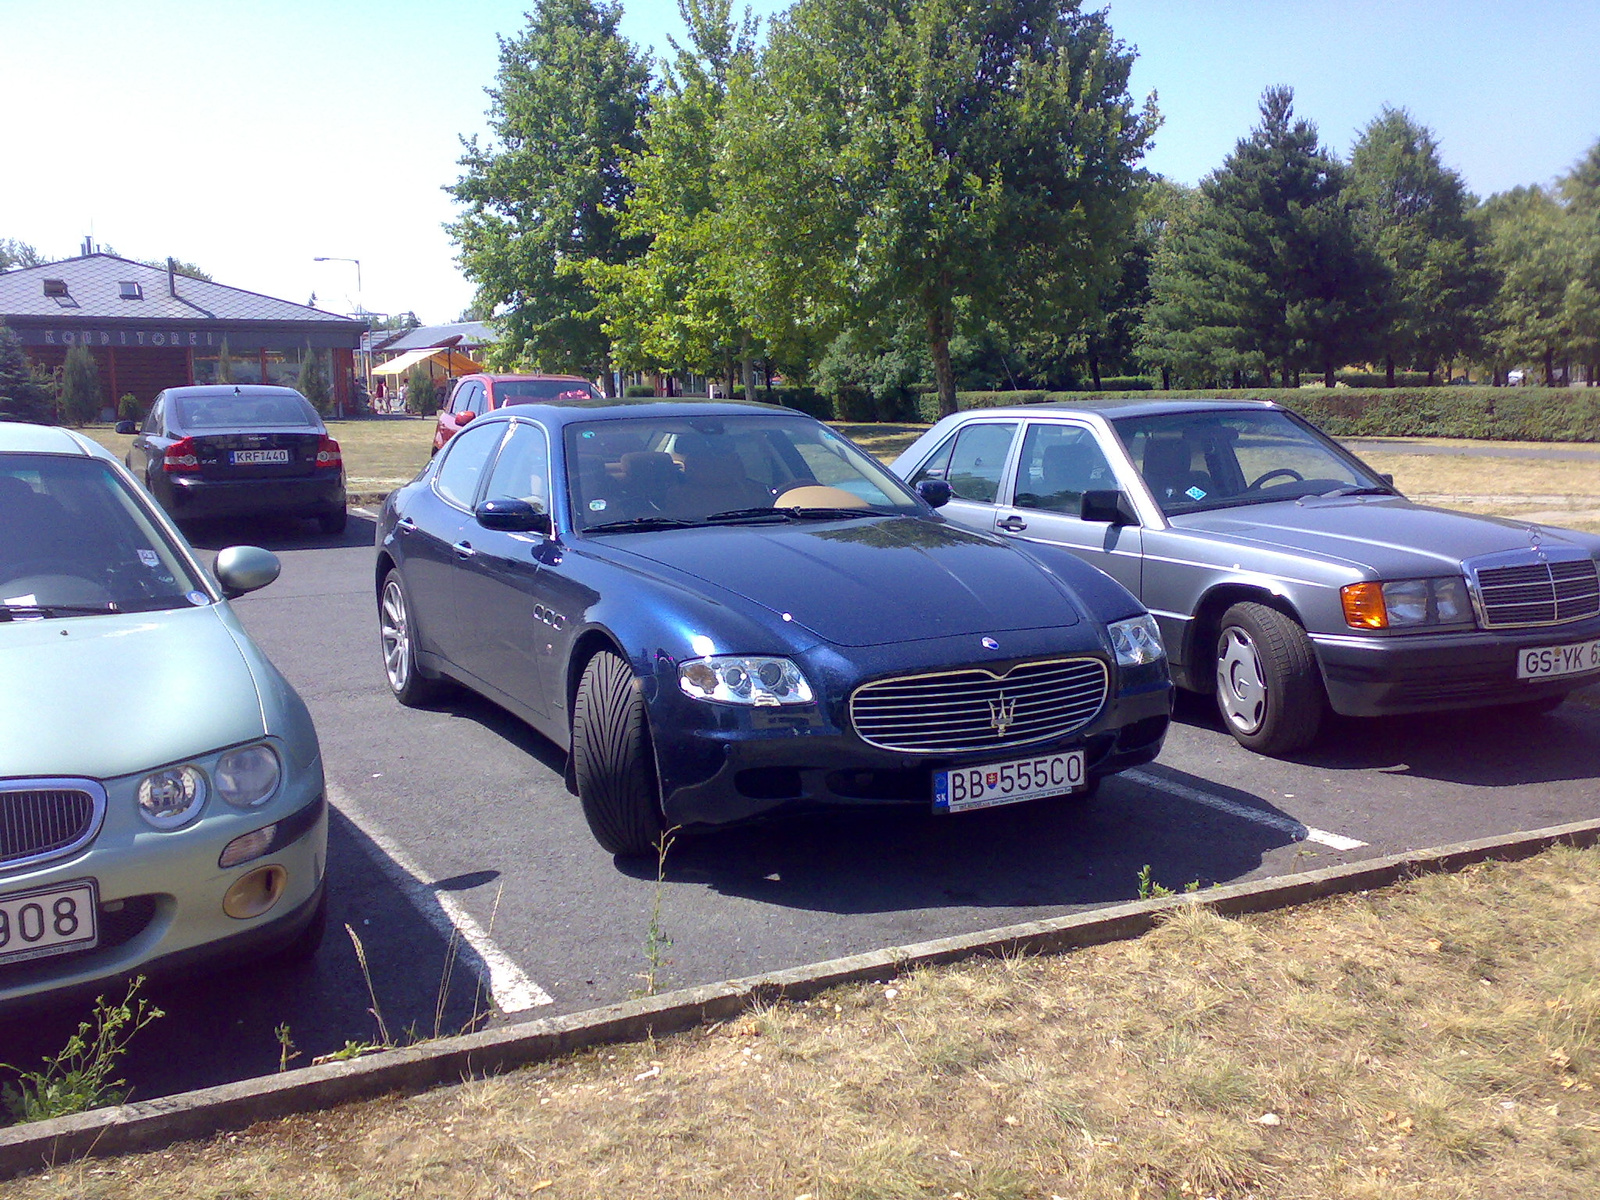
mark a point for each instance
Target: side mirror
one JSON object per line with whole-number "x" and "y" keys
{"x": 1387, "y": 478}
{"x": 513, "y": 516}
{"x": 935, "y": 491}
{"x": 463, "y": 417}
{"x": 241, "y": 569}
{"x": 127, "y": 427}
{"x": 1112, "y": 507}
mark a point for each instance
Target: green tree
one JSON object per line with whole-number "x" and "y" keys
{"x": 1268, "y": 270}
{"x": 1581, "y": 190}
{"x": 1417, "y": 214}
{"x": 1532, "y": 254}
{"x": 14, "y": 254}
{"x": 673, "y": 306}
{"x": 935, "y": 160}
{"x": 421, "y": 394}
{"x": 312, "y": 382}
{"x": 24, "y": 391}
{"x": 541, "y": 199}
{"x": 224, "y": 363}
{"x": 81, "y": 397}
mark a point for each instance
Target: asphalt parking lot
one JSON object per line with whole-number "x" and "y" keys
{"x": 465, "y": 869}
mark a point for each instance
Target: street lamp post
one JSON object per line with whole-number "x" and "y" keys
{"x": 366, "y": 354}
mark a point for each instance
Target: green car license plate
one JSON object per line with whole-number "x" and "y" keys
{"x": 1008, "y": 782}
{"x": 48, "y": 921}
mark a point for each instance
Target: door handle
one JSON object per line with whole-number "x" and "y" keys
{"x": 1012, "y": 524}
{"x": 464, "y": 550}
{"x": 407, "y": 523}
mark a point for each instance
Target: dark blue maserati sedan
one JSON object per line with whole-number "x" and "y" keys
{"x": 724, "y": 610}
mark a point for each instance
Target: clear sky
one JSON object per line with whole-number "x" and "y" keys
{"x": 251, "y": 137}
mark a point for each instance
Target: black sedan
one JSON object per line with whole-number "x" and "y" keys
{"x": 726, "y": 610}
{"x": 239, "y": 450}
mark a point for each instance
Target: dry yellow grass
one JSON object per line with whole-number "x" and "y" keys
{"x": 1437, "y": 1039}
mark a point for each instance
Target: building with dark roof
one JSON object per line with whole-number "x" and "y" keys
{"x": 150, "y": 328}
{"x": 466, "y": 336}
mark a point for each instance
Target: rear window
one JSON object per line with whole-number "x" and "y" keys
{"x": 226, "y": 411}
{"x": 529, "y": 391}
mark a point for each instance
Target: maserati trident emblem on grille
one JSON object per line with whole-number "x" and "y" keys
{"x": 1002, "y": 714}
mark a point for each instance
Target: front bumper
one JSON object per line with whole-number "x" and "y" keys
{"x": 1377, "y": 676}
{"x": 309, "y": 496}
{"x": 723, "y": 763}
{"x": 160, "y": 901}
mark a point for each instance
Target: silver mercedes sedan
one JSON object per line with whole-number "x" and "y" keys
{"x": 1287, "y": 576}
{"x": 161, "y": 790}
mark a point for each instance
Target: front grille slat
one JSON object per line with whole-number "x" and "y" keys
{"x": 41, "y": 819}
{"x": 950, "y": 711}
{"x": 1551, "y": 587}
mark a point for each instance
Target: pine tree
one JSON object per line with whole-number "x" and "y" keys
{"x": 23, "y": 393}
{"x": 81, "y": 397}
{"x": 312, "y": 382}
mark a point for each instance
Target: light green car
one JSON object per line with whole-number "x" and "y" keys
{"x": 161, "y": 792}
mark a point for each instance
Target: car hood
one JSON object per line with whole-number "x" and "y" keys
{"x": 107, "y": 696}
{"x": 866, "y": 581}
{"x": 1381, "y": 533}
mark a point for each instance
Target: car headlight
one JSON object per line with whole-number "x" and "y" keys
{"x": 1137, "y": 641}
{"x": 737, "y": 679}
{"x": 172, "y": 796}
{"x": 248, "y": 776}
{"x": 1404, "y": 603}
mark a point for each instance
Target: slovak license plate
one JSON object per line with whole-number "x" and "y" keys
{"x": 48, "y": 921}
{"x": 1008, "y": 782}
{"x": 245, "y": 458}
{"x": 1551, "y": 662}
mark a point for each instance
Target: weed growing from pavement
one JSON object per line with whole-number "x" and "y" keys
{"x": 79, "y": 1077}
{"x": 656, "y": 941}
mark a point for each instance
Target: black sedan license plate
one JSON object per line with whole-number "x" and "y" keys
{"x": 1008, "y": 782}
{"x": 47, "y": 921}
{"x": 245, "y": 458}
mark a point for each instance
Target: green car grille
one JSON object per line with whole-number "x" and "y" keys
{"x": 45, "y": 819}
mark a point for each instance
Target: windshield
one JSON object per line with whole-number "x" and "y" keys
{"x": 669, "y": 470}
{"x": 75, "y": 540}
{"x": 1197, "y": 461}
{"x": 528, "y": 391}
{"x": 226, "y": 410}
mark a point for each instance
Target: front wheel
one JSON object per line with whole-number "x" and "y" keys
{"x": 612, "y": 759}
{"x": 398, "y": 637}
{"x": 1268, "y": 688}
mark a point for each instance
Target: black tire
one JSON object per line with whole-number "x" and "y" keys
{"x": 309, "y": 940}
{"x": 333, "y": 522}
{"x": 397, "y": 638}
{"x": 1269, "y": 690}
{"x": 612, "y": 759}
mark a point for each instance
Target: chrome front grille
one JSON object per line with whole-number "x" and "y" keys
{"x": 975, "y": 709}
{"x": 42, "y": 819}
{"x": 1529, "y": 588}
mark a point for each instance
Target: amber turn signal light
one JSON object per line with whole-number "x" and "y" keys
{"x": 1363, "y": 606}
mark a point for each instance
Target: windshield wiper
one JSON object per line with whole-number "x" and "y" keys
{"x": 10, "y": 612}
{"x": 831, "y": 514}
{"x": 640, "y": 524}
{"x": 1358, "y": 490}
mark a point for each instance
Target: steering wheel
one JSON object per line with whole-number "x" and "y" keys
{"x": 1289, "y": 471}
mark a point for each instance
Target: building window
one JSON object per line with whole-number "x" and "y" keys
{"x": 130, "y": 289}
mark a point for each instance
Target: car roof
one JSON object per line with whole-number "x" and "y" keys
{"x": 17, "y": 437}
{"x": 231, "y": 389}
{"x": 570, "y": 412}
{"x": 1124, "y": 406}
{"x": 496, "y": 377}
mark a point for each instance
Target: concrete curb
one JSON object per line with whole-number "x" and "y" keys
{"x": 154, "y": 1124}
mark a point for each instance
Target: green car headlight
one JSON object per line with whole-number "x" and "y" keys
{"x": 172, "y": 797}
{"x": 248, "y": 776}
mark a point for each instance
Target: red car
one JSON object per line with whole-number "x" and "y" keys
{"x": 474, "y": 395}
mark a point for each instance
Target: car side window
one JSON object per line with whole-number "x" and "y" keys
{"x": 152, "y": 420}
{"x": 522, "y": 472}
{"x": 1059, "y": 464}
{"x": 465, "y": 459}
{"x": 978, "y": 458}
{"x": 938, "y": 466}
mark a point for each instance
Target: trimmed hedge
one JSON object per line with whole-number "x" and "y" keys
{"x": 1529, "y": 414}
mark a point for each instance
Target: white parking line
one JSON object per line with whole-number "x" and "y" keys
{"x": 511, "y": 989}
{"x": 1301, "y": 833}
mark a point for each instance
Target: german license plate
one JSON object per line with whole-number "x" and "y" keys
{"x": 1008, "y": 782}
{"x": 1551, "y": 662}
{"x": 245, "y": 458}
{"x": 48, "y": 921}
